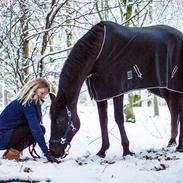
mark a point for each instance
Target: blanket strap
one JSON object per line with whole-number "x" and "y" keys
{"x": 102, "y": 43}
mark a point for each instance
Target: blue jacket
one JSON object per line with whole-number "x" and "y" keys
{"x": 16, "y": 114}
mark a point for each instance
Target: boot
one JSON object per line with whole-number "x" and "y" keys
{"x": 12, "y": 154}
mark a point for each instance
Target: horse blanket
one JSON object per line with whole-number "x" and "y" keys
{"x": 137, "y": 58}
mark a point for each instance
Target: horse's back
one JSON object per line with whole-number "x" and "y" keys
{"x": 136, "y": 58}
{"x": 146, "y": 30}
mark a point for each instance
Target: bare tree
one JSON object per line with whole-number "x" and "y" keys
{"x": 36, "y": 36}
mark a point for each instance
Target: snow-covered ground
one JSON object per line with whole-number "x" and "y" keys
{"x": 152, "y": 162}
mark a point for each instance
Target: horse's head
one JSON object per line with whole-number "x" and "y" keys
{"x": 62, "y": 129}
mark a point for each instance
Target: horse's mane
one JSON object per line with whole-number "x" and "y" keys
{"x": 82, "y": 54}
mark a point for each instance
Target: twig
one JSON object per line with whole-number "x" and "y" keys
{"x": 108, "y": 164}
{"x": 100, "y": 136}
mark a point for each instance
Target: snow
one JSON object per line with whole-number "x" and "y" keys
{"x": 153, "y": 162}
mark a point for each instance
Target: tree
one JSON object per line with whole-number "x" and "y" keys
{"x": 36, "y": 36}
{"x": 24, "y": 49}
{"x": 156, "y": 108}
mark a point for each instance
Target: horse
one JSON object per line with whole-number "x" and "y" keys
{"x": 114, "y": 60}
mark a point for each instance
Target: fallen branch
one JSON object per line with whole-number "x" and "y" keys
{"x": 19, "y": 180}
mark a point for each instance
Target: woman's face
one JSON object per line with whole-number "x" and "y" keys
{"x": 42, "y": 92}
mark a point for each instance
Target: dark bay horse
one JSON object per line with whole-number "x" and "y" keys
{"x": 114, "y": 60}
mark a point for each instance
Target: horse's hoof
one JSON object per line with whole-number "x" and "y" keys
{"x": 128, "y": 153}
{"x": 101, "y": 155}
{"x": 172, "y": 143}
{"x": 179, "y": 149}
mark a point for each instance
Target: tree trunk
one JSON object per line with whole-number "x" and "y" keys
{"x": 156, "y": 108}
{"x": 25, "y": 42}
{"x": 128, "y": 13}
{"x": 129, "y": 113}
{"x": 68, "y": 30}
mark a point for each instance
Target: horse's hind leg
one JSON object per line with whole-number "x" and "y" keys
{"x": 180, "y": 145}
{"x": 174, "y": 128}
{"x": 172, "y": 102}
{"x": 102, "y": 111}
{"x": 119, "y": 118}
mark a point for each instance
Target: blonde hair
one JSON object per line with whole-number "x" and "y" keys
{"x": 27, "y": 93}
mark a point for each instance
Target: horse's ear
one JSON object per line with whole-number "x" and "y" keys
{"x": 52, "y": 96}
{"x": 57, "y": 100}
{"x": 61, "y": 96}
{"x": 57, "y": 103}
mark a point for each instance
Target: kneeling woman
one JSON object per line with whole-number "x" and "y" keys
{"x": 20, "y": 121}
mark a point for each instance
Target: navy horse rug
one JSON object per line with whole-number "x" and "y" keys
{"x": 136, "y": 58}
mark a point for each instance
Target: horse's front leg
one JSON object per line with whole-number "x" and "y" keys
{"x": 119, "y": 118}
{"x": 102, "y": 111}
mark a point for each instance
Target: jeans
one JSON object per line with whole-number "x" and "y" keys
{"x": 22, "y": 138}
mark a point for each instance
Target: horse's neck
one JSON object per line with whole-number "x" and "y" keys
{"x": 81, "y": 62}
{"x": 72, "y": 91}
{"x": 74, "y": 79}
